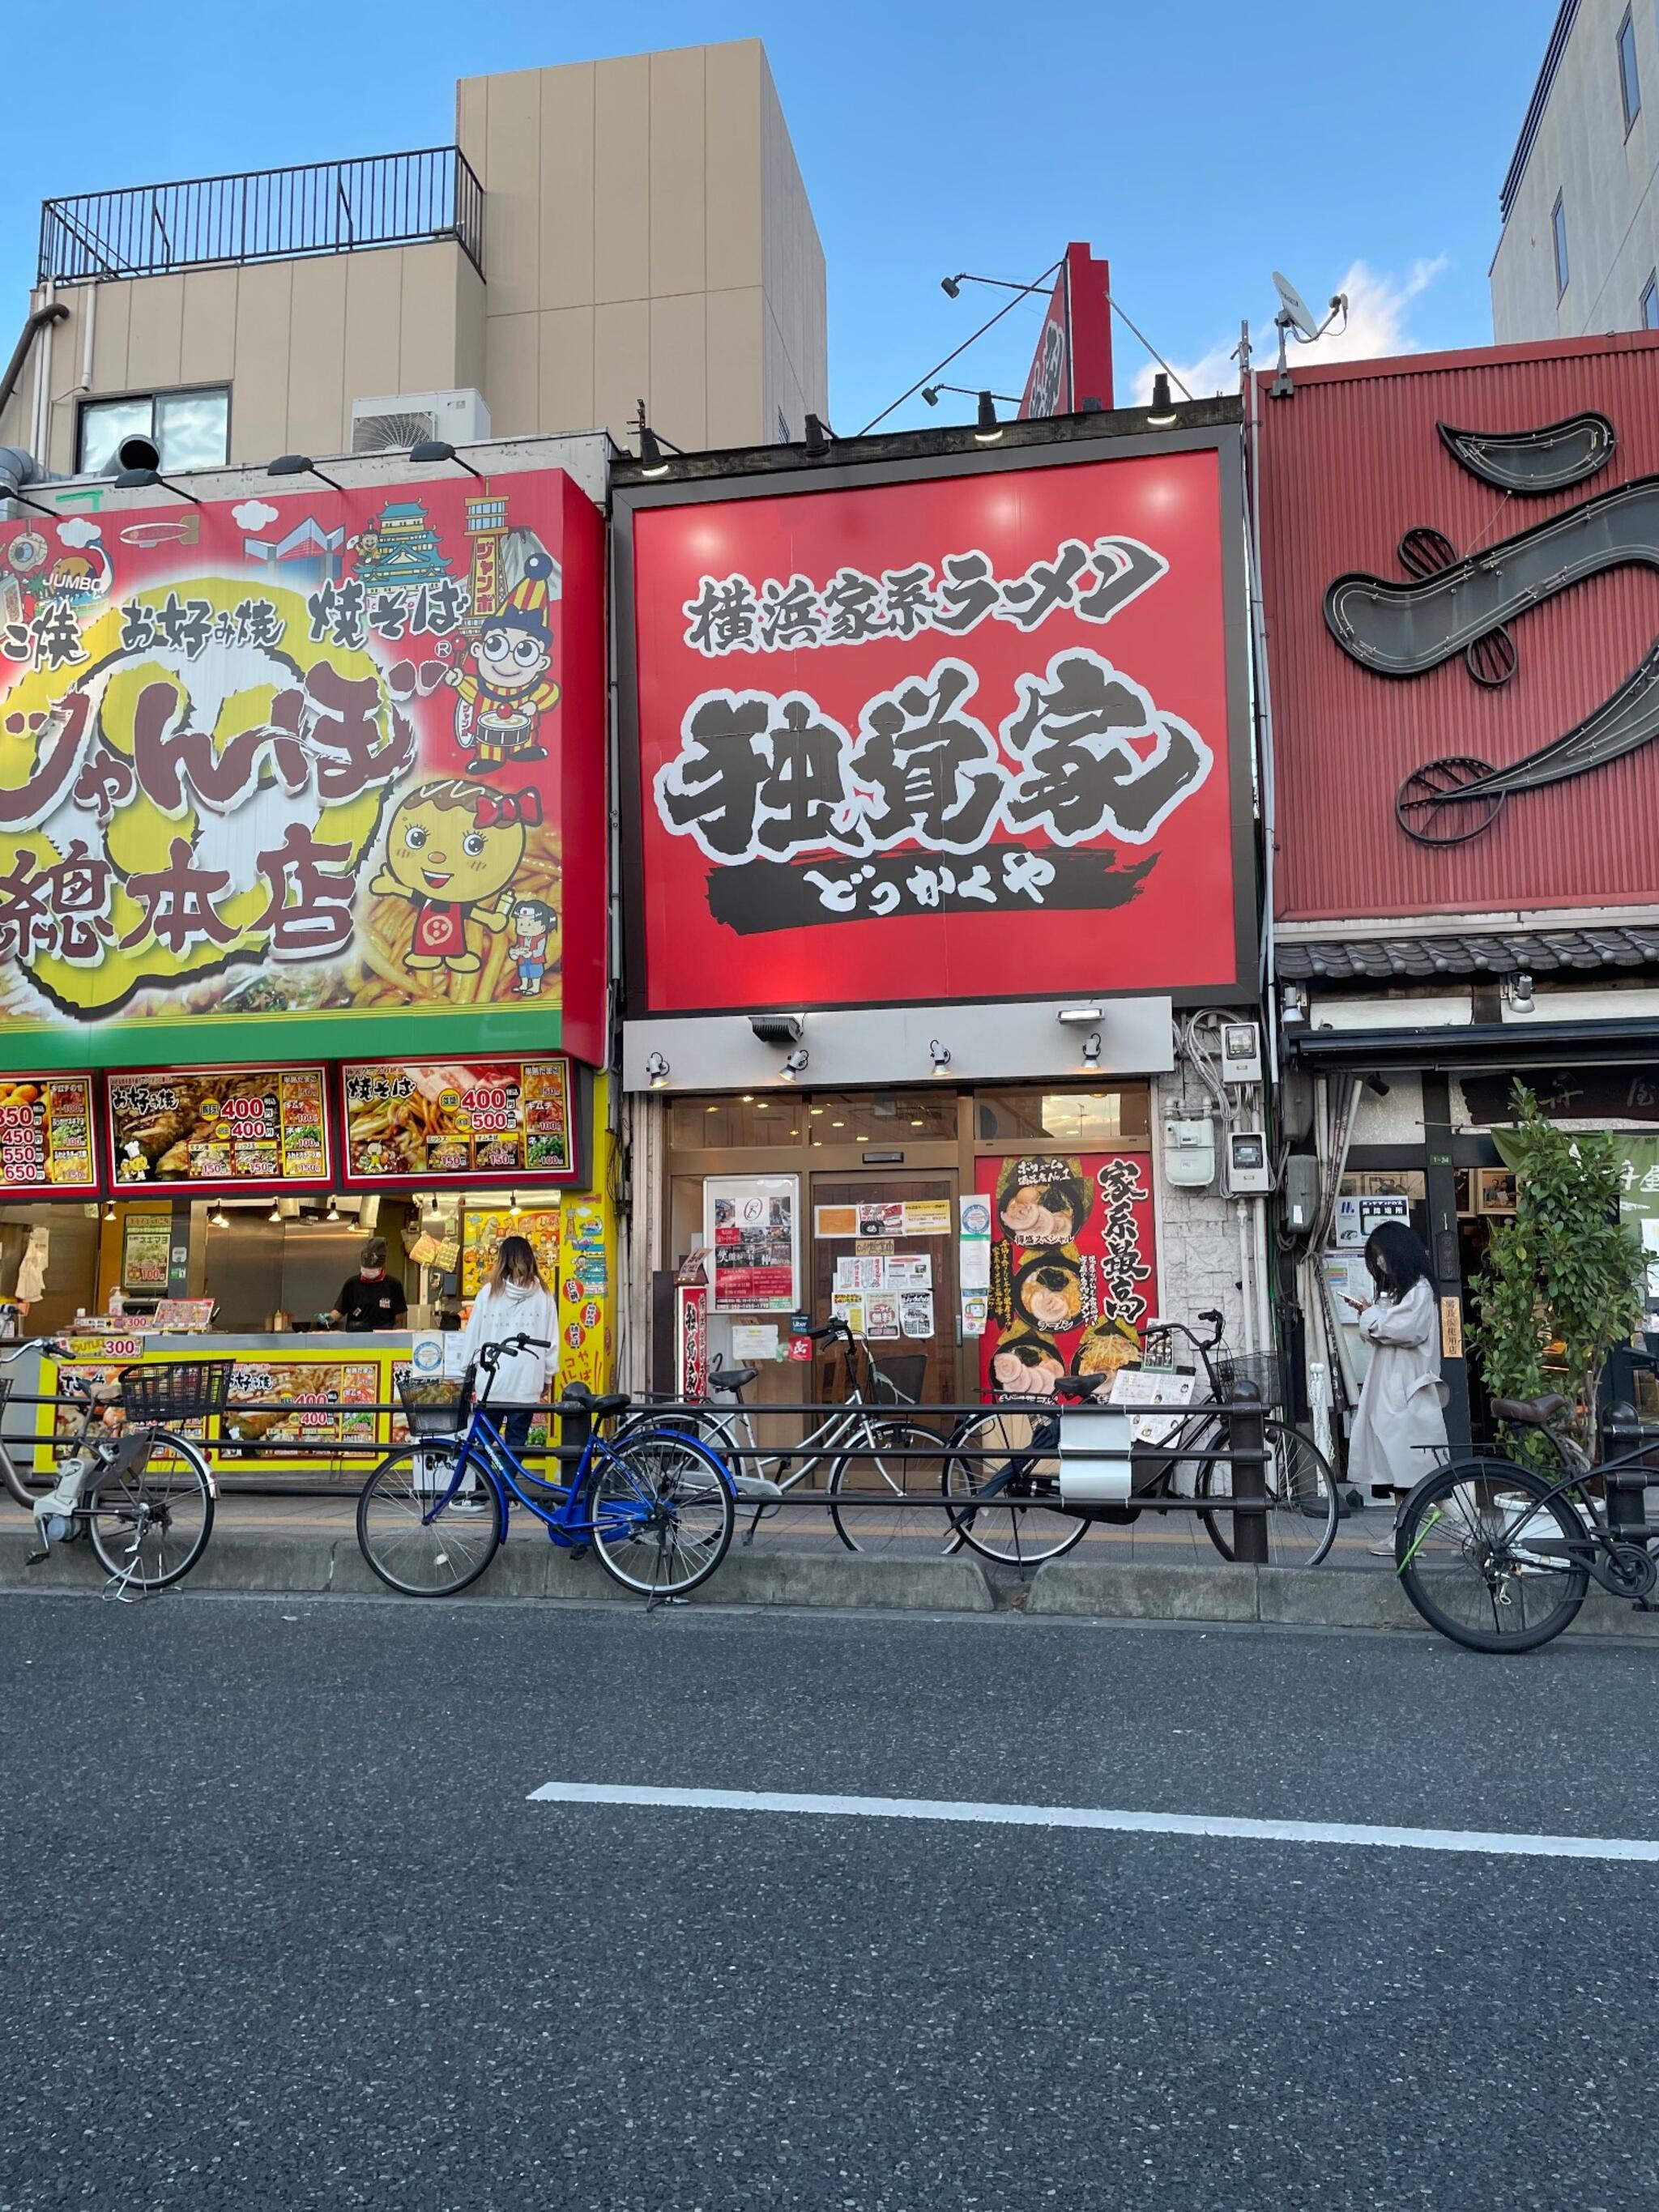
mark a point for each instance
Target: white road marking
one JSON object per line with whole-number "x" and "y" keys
{"x": 1493, "y": 1843}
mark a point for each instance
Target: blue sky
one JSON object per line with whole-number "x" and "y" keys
{"x": 1197, "y": 146}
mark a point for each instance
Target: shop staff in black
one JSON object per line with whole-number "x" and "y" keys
{"x": 370, "y": 1299}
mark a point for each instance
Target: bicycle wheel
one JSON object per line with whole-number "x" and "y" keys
{"x": 1466, "y": 1562}
{"x": 1301, "y": 1513}
{"x": 662, "y": 1512}
{"x": 150, "y": 1524}
{"x": 1012, "y": 1457}
{"x": 414, "y": 1551}
{"x": 885, "y": 1467}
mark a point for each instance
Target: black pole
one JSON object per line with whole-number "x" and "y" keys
{"x": 1246, "y": 1440}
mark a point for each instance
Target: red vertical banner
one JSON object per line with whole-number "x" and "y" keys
{"x": 1074, "y": 1270}
{"x": 691, "y": 1341}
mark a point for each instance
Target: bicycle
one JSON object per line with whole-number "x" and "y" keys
{"x": 1017, "y": 1460}
{"x": 656, "y": 1509}
{"x": 850, "y": 1436}
{"x": 142, "y": 1495}
{"x": 1499, "y": 1557}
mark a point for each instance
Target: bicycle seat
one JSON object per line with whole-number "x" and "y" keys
{"x": 1079, "y": 1386}
{"x": 1531, "y": 1413}
{"x": 732, "y": 1378}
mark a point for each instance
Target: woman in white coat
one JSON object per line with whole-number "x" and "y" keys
{"x": 1400, "y": 1424}
{"x": 515, "y": 1302}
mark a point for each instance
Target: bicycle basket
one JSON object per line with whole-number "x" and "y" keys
{"x": 898, "y": 1381}
{"x": 438, "y": 1405}
{"x": 175, "y": 1389}
{"x": 1249, "y": 1374}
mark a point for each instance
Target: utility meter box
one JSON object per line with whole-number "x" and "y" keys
{"x": 1189, "y": 1153}
{"x": 1241, "y": 1052}
{"x": 1249, "y": 1172}
{"x": 1300, "y": 1192}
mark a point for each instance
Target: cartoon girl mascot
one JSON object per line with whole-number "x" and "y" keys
{"x": 451, "y": 851}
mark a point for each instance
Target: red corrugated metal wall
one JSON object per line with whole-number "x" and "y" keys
{"x": 1350, "y": 464}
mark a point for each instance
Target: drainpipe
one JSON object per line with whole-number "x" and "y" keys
{"x": 54, "y": 312}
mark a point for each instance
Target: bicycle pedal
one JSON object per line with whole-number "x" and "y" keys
{"x": 34, "y": 1559}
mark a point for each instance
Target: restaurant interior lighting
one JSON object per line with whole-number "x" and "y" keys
{"x": 941, "y": 1055}
{"x": 334, "y": 1213}
{"x": 219, "y": 1218}
{"x": 109, "y": 1209}
{"x": 987, "y": 430}
{"x": 299, "y": 465}
{"x": 276, "y": 1212}
{"x": 656, "y": 1071}
{"x": 513, "y": 1206}
{"x": 1161, "y": 415}
{"x": 440, "y": 449}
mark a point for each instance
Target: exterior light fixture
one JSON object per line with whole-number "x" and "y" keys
{"x": 1521, "y": 999}
{"x": 432, "y": 450}
{"x": 1091, "y": 1049}
{"x": 777, "y": 1029}
{"x": 941, "y": 1055}
{"x": 656, "y": 1071}
{"x": 653, "y": 462}
{"x": 1162, "y": 413}
{"x": 147, "y": 480}
{"x": 819, "y": 437}
{"x": 987, "y": 430}
{"x": 951, "y": 286}
{"x": 1080, "y": 1018}
{"x": 513, "y": 1206}
{"x": 795, "y": 1065}
{"x": 299, "y": 465}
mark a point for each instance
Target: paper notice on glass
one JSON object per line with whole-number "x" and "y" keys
{"x": 870, "y": 1275}
{"x": 927, "y": 1217}
{"x": 916, "y": 1312}
{"x": 1651, "y": 1232}
{"x": 973, "y": 1260}
{"x": 848, "y": 1306}
{"x": 908, "y": 1273}
{"x": 844, "y": 1275}
{"x": 975, "y": 1311}
{"x": 754, "y": 1340}
{"x": 881, "y": 1315}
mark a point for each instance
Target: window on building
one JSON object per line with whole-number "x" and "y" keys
{"x": 1558, "y": 227}
{"x": 1650, "y": 302}
{"x": 191, "y": 429}
{"x": 1629, "y": 85}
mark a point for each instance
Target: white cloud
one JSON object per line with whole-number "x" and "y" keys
{"x": 1377, "y": 316}
{"x": 253, "y": 515}
{"x": 79, "y": 531}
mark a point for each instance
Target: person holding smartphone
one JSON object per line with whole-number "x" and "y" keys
{"x": 1399, "y": 1423}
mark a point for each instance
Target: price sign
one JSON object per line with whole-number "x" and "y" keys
{"x": 211, "y": 1128}
{"x": 488, "y": 1121}
{"x": 46, "y": 1134}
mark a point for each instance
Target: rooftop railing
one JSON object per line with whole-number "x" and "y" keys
{"x": 265, "y": 215}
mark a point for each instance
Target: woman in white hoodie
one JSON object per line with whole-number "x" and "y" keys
{"x": 515, "y": 1302}
{"x": 1399, "y": 1428}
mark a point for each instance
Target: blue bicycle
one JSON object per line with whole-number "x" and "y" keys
{"x": 656, "y": 1508}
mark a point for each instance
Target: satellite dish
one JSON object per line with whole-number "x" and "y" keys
{"x": 1293, "y": 309}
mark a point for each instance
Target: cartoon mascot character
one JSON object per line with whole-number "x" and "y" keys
{"x": 505, "y": 687}
{"x": 452, "y": 849}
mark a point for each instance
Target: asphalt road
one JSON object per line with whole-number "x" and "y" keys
{"x": 282, "y": 1927}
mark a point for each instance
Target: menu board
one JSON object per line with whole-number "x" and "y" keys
{"x": 482, "y": 1230}
{"x": 45, "y": 1134}
{"x": 483, "y": 1121}
{"x": 297, "y": 1401}
{"x": 146, "y": 1252}
{"x": 751, "y": 1225}
{"x": 214, "y": 1127}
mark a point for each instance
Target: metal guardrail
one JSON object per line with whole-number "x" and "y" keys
{"x": 265, "y": 215}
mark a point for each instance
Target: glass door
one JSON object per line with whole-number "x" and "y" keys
{"x": 883, "y": 1245}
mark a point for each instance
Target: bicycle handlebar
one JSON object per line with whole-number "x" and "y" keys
{"x": 490, "y": 1356}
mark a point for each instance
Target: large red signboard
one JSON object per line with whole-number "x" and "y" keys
{"x": 1457, "y": 558}
{"x": 1072, "y": 367}
{"x": 964, "y": 737}
{"x": 305, "y": 764}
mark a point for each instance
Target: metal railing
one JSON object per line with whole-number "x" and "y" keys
{"x": 265, "y": 215}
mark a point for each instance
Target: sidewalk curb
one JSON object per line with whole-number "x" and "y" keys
{"x": 257, "y": 1561}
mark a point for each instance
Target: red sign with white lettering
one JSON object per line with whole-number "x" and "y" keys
{"x": 966, "y": 737}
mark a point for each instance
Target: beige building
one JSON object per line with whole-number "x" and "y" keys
{"x": 600, "y": 233}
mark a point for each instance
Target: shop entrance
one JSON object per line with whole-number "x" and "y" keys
{"x": 904, "y": 1270}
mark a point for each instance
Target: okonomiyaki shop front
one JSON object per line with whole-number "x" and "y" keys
{"x": 302, "y": 896}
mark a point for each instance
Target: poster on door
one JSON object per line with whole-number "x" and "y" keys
{"x": 1073, "y": 1267}
{"x": 751, "y": 1224}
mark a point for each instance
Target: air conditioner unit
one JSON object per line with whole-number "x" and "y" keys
{"x": 403, "y": 419}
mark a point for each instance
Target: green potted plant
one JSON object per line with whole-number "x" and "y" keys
{"x": 1562, "y": 1279}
